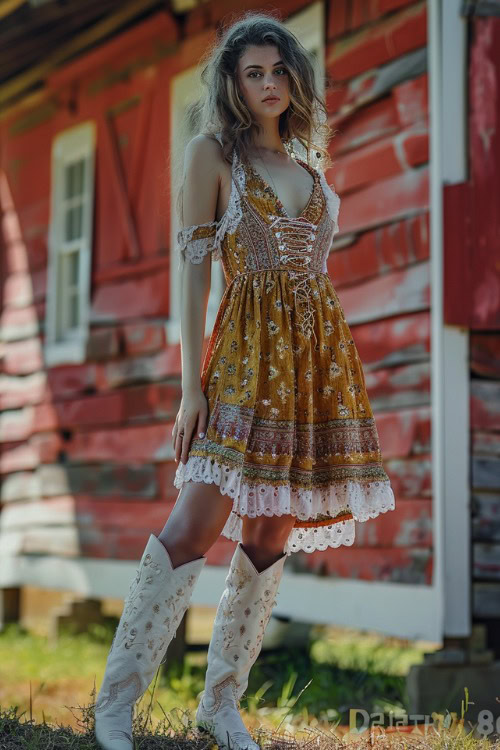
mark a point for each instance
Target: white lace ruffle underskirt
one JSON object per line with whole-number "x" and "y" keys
{"x": 365, "y": 500}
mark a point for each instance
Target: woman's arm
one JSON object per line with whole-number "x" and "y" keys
{"x": 202, "y": 174}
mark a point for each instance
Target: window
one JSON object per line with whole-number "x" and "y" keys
{"x": 308, "y": 27}
{"x": 186, "y": 88}
{"x": 70, "y": 245}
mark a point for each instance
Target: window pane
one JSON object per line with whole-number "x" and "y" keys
{"x": 73, "y": 311}
{"x": 74, "y": 216}
{"x": 74, "y": 179}
{"x": 73, "y": 268}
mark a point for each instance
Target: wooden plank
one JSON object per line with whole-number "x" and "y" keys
{"x": 372, "y": 85}
{"x": 22, "y": 357}
{"x": 399, "y": 387}
{"x": 398, "y": 565}
{"x": 139, "y": 404}
{"x": 19, "y": 323}
{"x": 404, "y": 432}
{"x": 28, "y": 454}
{"x": 486, "y": 561}
{"x": 117, "y": 271}
{"x": 104, "y": 479}
{"x": 140, "y": 443}
{"x": 110, "y": 151}
{"x": 378, "y": 251}
{"x": 22, "y": 485}
{"x": 337, "y": 18}
{"x": 55, "y": 540}
{"x": 485, "y": 443}
{"x": 166, "y": 363}
{"x": 144, "y": 337}
{"x": 405, "y": 107}
{"x": 485, "y": 516}
{"x": 485, "y": 474}
{"x": 134, "y": 298}
{"x": 89, "y": 37}
{"x": 410, "y": 477}
{"x": 485, "y": 405}
{"x": 17, "y": 391}
{"x": 484, "y": 353}
{"x": 400, "y": 33}
{"x": 377, "y": 120}
{"x": 486, "y": 599}
{"x": 389, "y": 200}
{"x": 393, "y": 341}
{"x": 400, "y": 292}
{"x": 386, "y": 157}
{"x": 17, "y": 457}
{"x": 409, "y": 525}
{"x": 88, "y": 513}
{"x": 74, "y": 380}
{"x": 17, "y": 424}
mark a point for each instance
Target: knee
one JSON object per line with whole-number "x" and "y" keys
{"x": 182, "y": 545}
{"x": 269, "y": 535}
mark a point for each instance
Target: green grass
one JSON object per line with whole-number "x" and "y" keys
{"x": 295, "y": 696}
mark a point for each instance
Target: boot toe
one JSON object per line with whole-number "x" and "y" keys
{"x": 227, "y": 727}
{"x": 114, "y": 739}
{"x": 114, "y": 732}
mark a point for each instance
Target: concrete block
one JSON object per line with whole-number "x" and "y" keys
{"x": 439, "y": 688}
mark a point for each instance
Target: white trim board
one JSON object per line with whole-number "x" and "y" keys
{"x": 455, "y": 351}
{"x": 449, "y": 360}
{"x": 397, "y": 609}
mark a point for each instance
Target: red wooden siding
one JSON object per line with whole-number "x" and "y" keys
{"x": 379, "y": 265}
{"x": 86, "y": 456}
{"x": 471, "y": 217}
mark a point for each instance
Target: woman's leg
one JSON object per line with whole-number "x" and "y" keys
{"x": 264, "y": 538}
{"x": 195, "y": 522}
{"x": 240, "y": 621}
{"x": 156, "y": 602}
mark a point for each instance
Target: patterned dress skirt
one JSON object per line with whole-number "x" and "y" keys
{"x": 290, "y": 428}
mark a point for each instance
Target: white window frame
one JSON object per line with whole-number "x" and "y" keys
{"x": 309, "y": 27}
{"x": 186, "y": 88}
{"x": 73, "y": 144}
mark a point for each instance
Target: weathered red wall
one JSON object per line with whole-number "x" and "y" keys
{"x": 471, "y": 215}
{"x": 88, "y": 446}
{"x": 380, "y": 265}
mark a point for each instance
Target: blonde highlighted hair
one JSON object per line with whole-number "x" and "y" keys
{"x": 222, "y": 109}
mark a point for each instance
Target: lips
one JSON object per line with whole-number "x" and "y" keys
{"x": 271, "y": 99}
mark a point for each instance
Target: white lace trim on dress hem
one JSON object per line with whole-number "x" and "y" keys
{"x": 364, "y": 499}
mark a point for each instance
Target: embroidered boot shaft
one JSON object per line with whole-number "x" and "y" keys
{"x": 240, "y": 622}
{"x": 156, "y": 602}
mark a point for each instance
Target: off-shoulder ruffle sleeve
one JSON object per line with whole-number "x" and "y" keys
{"x": 196, "y": 241}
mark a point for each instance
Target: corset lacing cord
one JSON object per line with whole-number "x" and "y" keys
{"x": 298, "y": 242}
{"x": 302, "y": 293}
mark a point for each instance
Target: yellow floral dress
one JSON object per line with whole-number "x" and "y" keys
{"x": 290, "y": 428}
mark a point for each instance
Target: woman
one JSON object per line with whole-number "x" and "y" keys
{"x": 277, "y": 444}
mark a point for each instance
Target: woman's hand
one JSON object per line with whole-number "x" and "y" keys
{"x": 192, "y": 415}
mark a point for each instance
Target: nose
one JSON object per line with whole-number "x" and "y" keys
{"x": 269, "y": 84}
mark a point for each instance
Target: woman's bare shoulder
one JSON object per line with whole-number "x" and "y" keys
{"x": 206, "y": 150}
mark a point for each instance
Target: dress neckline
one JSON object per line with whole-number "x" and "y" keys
{"x": 277, "y": 200}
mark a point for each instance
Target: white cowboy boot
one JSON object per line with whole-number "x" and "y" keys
{"x": 156, "y": 602}
{"x": 240, "y": 621}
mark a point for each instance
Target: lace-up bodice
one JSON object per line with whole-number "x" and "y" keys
{"x": 290, "y": 426}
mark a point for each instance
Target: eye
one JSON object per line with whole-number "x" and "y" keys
{"x": 251, "y": 74}
{"x": 283, "y": 71}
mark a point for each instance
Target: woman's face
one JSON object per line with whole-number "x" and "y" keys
{"x": 262, "y": 75}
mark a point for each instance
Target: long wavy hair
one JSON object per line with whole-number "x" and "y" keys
{"x": 222, "y": 109}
